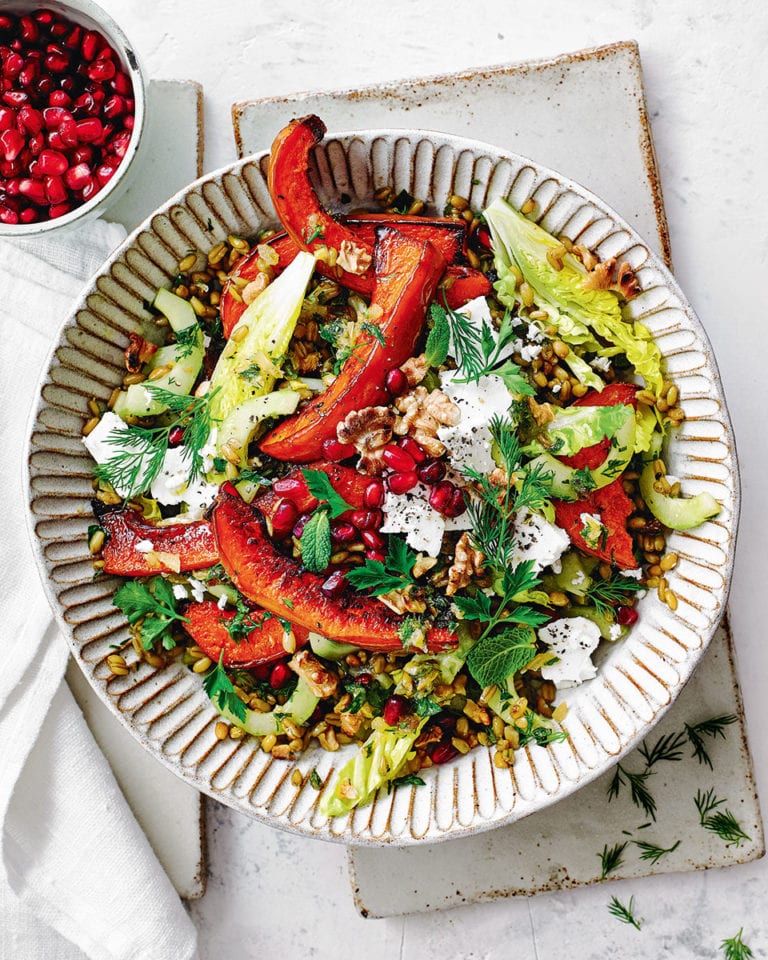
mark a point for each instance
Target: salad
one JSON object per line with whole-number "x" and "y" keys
{"x": 387, "y": 479}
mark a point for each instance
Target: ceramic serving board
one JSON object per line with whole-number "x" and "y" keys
{"x": 167, "y": 163}
{"x": 545, "y": 110}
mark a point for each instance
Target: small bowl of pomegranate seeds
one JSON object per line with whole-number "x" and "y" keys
{"x": 72, "y": 101}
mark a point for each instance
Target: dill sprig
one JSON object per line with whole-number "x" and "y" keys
{"x": 141, "y": 450}
{"x": 721, "y": 822}
{"x": 641, "y": 796}
{"x": 666, "y": 748}
{"x": 611, "y": 858}
{"x": 714, "y": 727}
{"x": 624, "y": 913}
{"x": 604, "y": 594}
{"x": 652, "y": 852}
{"x": 734, "y": 948}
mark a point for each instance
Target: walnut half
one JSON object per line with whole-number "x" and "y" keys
{"x": 468, "y": 562}
{"x": 423, "y": 413}
{"x": 368, "y": 430}
{"x": 321, "y": 681}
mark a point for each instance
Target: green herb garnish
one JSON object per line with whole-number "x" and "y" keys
{"x": 611, "y": 858}
{"x": 734, "y": 948}
{"x": 604, "y": 594}
{"x": 714, "y": 727}
{"x": 624, "y": 913}
{"x": 153, "y": 606}
{"x": 219, "y": 688}
{"x": 394, "y": 574}
{"x": 721, "y": 822}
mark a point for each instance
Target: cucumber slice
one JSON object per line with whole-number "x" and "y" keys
{"x": 603, "y": 623}
{"x": 565, "y": 484}
{"x": 178, "y": 312}
{"x": 329, "y": 649}
{"x": 299, "y": 707}
{"x": 238, "y": 427}
{"x": 676, "y": 513}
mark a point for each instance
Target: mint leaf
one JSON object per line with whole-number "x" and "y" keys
{"x": 439, "y": 339}
{"x": 320, "y": 486}
{"x": 493, "y": 659}
{"x": 316, "y": 542}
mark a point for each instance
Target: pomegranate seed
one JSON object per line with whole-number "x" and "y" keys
{"x": 29, "y": 215}
{"x": 373, "y": 540}
{"x": 176, "y": 436}
{"x": 33, "y": 189}
{"x": 343, "y": 531}
{"x": 121, "y": 83}
{"x": 262, "y": 670}
{"x": 398, "y": 459}
{"x": 442, "y": 497}
{"x": 89, "y": 130}
{"x": 31, "y": 119}
{"x": 335, "y": 451}
{"x": 128, "y": 122}
{"x": 58, "y": 29}
{"x": 443, "y": 753}
{"x": 119, "y": 146}
{"x": 7, "y": 119}
{"x": 446, "y": 723}
{"x": 56, "y": 62}
{"x": 366, "y": 519}
{"x": 431, "y": 471}
{"x": 55, "y": 140}
{"x": 15, "y": 98}
{"x": 12, "y": 65}
{"x": 374, "y": 494}
{"x": 73, "y": 38}
{"x": 58, "y": 210}
{"x": 400, "y": 483}
{"x": 291, "y": 487}
{"x": 93, "y": 186}
{"x": 396, "y": 382}
{"x": 43, "y": 17}
{"x": 84, "y": 106}
{"x": 10, "y": 168}
{"x": 59, "y": 98}
{"x": 300, "y": 524}
{"x": 7, "y": 23}
{"x": 29, "y": 75}
{"x": 8, "y": 215}
{"x": 114, "y": 107}
{"x": 93, "y": 42}
{"x": 53, "y": 116}
{"x": 395, "y": 708}
{"x": 375, "y": 555}
{"x": 83, "y": 154}
{"x": 68, "y": 133}
{"x": 52, "y": 163}
{"x": 627, "y": 616}
{"x": 76, "y": 178}
{"x": 55, "y": 190}
{"x": 284, "y": 518}
{"x": 44, "y": 85}
{"x": 30, "y": 31}
{"x": 458, "y": 504}
{"x": 334, "y": 586}
{"x": 101, "y": 70}
{"x": 279, "y": 675}
{"x": 12, "y": 187}
{"x": 11, "y": 144}
{"x": 410, "y": 446}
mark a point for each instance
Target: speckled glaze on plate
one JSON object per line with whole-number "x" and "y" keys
{"x": 167, "y": 710}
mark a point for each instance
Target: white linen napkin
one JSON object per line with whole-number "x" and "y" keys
{"x": 74, "y": 862}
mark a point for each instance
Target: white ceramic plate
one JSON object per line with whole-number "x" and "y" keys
{"x": 168, "y": 711}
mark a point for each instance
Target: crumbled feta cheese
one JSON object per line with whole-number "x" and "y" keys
{"x": 534, "y": 333}
{"x": 530, "y": 352}
{"x": 208, "y": 452}
{"x": 636, "y": 574}
{"x": 556, "y": 387}
{"x": 197, "y": 589}
{"x": 603, "y": 364}
{"x": 615, "y": 631}
{"x": 539, "y": 540}
{"x": 102, "y": 447}
{"x": 469, "y": 442}
{"x": 222, "y": 601}
{"x": 171, "y": 486}
{"x": 557, "y": 566}
{"x": 145, "y": 546}
{"x": 180, "y": 591}
{"x": 572, "y": 640}
{"x": 578, "y": 578}
{"x": 424, "y": 528}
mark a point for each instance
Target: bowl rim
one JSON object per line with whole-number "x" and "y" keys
{"x": 567, "y": 786}
{"x": 133, "y": 65}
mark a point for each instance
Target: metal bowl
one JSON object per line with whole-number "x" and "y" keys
{"x": 167, "y": 710}
{"x": 88, "y": 14}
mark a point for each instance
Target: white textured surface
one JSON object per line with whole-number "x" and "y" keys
{"x": 706, "y": 75}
